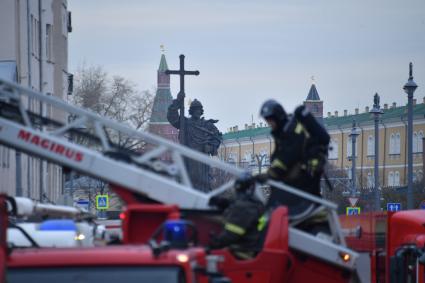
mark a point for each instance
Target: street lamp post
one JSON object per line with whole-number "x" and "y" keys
{"x": 376, "y": 111}
{"x": 410, "y": 88}
{"x": 353, "y": 135}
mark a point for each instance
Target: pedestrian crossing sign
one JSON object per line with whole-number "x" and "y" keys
{"x": 352, "y": 210}
{"x": 102, "y": 202}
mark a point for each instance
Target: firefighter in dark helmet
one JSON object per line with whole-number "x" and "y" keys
{"x": 299, "y": 157}
{"x": 243, "y": 221}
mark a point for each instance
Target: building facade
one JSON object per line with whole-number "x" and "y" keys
{"x": 34, "y": 53}
{"x": 251, "y": 147}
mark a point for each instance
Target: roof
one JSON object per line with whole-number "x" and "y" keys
{"x": 397, "y": 113}
{"x": 392, "y": 114}
{"x": 247, "y": 133}
{"x": 160, "y": 106}
{"x": 163, "y": 64}
{"x": 313, "y": 95}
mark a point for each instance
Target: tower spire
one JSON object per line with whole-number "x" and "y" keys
{"x": 158, "y": 122}
{"x": 313, "y": 102}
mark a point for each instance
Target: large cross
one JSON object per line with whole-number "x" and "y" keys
{"x": 182, "y": 72}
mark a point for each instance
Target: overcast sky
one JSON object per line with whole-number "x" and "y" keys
{"x": 249, "y": 51}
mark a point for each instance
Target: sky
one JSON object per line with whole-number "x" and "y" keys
{"x": 250, "y": 51}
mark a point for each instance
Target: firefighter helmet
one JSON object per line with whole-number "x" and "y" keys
{"x": 272, "y": 109}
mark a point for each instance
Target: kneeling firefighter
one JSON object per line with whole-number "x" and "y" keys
{"x": 243, "y": 221}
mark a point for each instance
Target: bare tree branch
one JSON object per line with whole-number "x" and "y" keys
{"x": 116, "y": 98}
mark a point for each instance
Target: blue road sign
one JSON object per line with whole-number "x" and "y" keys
{"x": 422, "y": 205}
{"x": 352, "y": 210}
{"x": 102, "y": 201}
{"x": 393, "y": 206}
{"x": 83, "y": 204}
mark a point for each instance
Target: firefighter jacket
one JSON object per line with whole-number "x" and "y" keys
{"x": 298, "y": 160}
{"x": 242, "y": 225}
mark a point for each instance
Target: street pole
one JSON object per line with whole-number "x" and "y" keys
{"x": 410, "y": 88}
{"x": 376, "y": 111}
{"x": 354, "y": 133}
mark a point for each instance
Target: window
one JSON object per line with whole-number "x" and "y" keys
{"x": 5, "y": 157}
{"x": 8, "y": 157}
{"x": 247, "y": 156}
{"x": 49, "y": 108}
{"x": 348, "y": 170}
{"x": 370, "y": 180}
{"x": 64, "y": 21}
{"x": 35, "y": 48}
{"x": 391, "y": 179}
{"x": 392, "y": 141}
{"x": 370, "y": 146}
{"x": 32, "y": 34}
{"x": 395, "y": 143}
{"x": 419, "y": 175}
{"x": 417, "y": 141}
{"x": 333, "y": 149}
{"x": 232, "y": 157}
{"x": 397, "y": 178}
{"x": 49, "y": 42}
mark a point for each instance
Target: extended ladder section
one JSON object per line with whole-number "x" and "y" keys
{"x": 92, "y": 145}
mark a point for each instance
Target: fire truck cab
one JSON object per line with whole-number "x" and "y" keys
{"x": 171, "y": 249}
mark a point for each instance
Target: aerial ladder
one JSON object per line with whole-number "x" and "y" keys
{"x": 145, "y": 173}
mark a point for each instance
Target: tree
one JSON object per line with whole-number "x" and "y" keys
{"x": 116, "y": 98}
{"x": 340, "y": 183}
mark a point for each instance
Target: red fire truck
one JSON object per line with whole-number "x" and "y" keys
{"x": 391, "y": 243}
{"x": 167, "y": 222}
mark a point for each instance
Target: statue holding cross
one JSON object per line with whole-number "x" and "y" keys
{"x": 195, "y": 132}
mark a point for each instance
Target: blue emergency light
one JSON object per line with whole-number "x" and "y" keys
{"x": 58, "y": 225}
{"x": 175, "y": 232}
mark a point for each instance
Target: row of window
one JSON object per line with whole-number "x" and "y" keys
{"x": 393, "y": 178}
{"x": 262, "y": 158}
{"x": 394, "y": 145}
{"x": 35, "y": 34}
{"x": 35, "y": 39}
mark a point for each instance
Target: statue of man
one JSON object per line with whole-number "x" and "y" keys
{"x": 199, "y": 134}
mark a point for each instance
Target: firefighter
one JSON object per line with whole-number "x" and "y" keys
{"x": 298, "y": 160}
{"x": 243, "y": 221}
